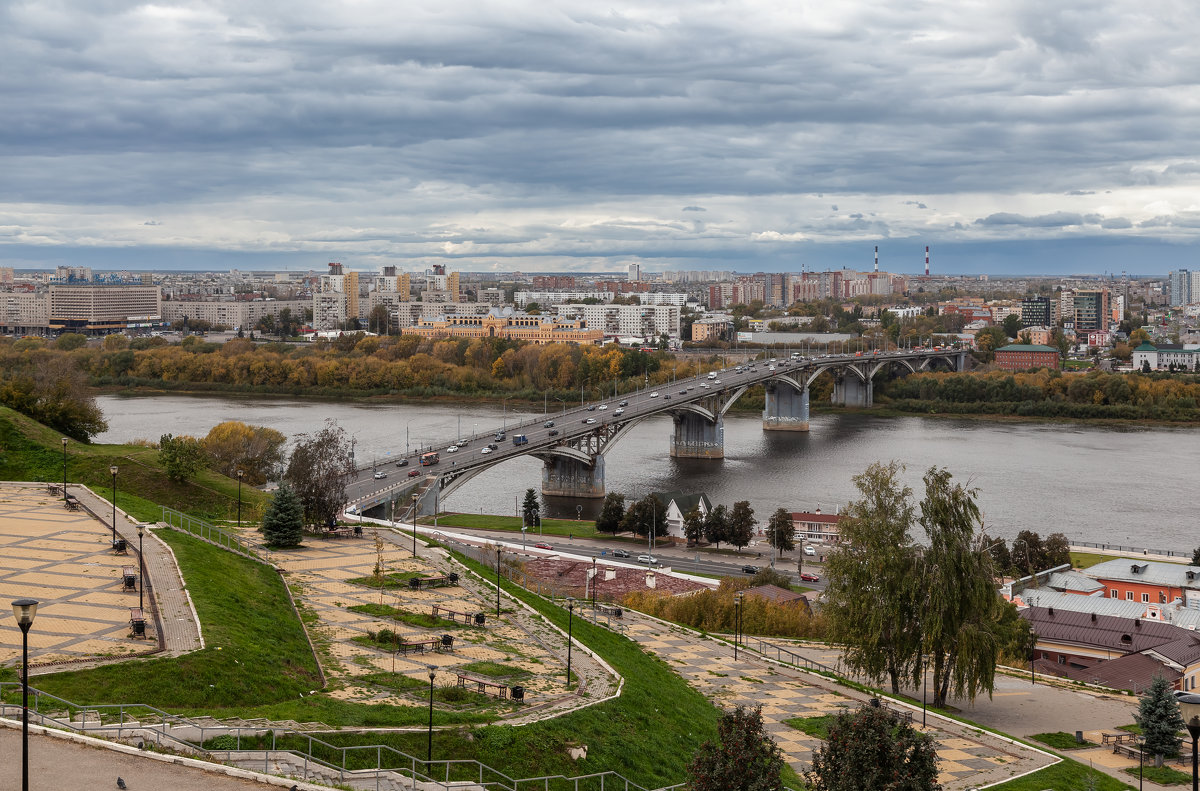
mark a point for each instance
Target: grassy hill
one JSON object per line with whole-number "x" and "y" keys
{"x": 30, "y": 451}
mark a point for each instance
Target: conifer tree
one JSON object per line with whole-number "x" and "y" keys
{"x": 1159, "y": 718}
{"x": 283, "y": 524}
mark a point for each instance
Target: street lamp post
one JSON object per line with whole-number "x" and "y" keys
{"x": 64, "y": 442}
{"x": 523, "y": 529}
{"x": 593, "y": 589}
{"x": 737, "y": 621}
{"x": 429, "y": 751}
{"x": 24, "y": 610}
{"x": 415, "y": 497}
{"x": 570, "y": 623}
{"x": 113, "y": 470}
{"x": 1189, "y": 707}
{"x": 141, "y": 568}
{"x": 497, "y": 580}
{"x": 1141, "y": 742}
{"x": 240, "y": 473}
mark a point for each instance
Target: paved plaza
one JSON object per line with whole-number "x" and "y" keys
{"x": 65, "y": 560}
{"x": 320, "y": 571}
{"x": 967, "y": 759}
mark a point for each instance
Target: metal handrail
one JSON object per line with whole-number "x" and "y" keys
{"x": 177, "y": 520}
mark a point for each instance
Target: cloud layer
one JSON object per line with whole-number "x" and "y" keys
{"x": 528, "y": 135}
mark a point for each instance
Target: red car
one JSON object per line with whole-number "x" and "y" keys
{"x": 413, "y": 473}
{"x": 543, "y": 545}
{"x": 806, "y": 577}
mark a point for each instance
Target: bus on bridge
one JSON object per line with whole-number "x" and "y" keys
{"x": 430, "y": 459}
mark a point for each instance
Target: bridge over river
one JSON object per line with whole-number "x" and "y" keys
{"x": 571, "y": 444}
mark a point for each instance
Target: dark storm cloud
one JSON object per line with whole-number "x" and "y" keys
{"x": 397, "y": 129}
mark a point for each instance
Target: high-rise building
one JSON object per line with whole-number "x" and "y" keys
{"x": 330, "y": 311}
{"x": 87, "y": 307}
{"x": 1092, "y": 311}
{"x": 1036, "y": 312}
{"x": 634, "y": 272}
{"x": 1179, "y": 288}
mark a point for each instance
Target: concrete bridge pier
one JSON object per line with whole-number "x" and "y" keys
{"x": 696, "y": 437}
{"x": 850, "y": 390}
{"x": 567, "y": 477}
{"x": 786, "y": 408}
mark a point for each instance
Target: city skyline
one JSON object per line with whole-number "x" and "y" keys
{"x": 212, "y": 136}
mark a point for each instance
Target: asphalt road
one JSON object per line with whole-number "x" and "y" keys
{"x": 554, "y": 429}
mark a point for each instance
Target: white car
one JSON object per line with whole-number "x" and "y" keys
{"x": 452, "y": 449}
{"x": 618, "y": 411}
{"x": 810, "y": 550}
{"x": 716, "y": 381}
{"x": 591, "y": 420}
{"x": 485, "y": 451}
{"x": 703, "y": 386}
{"x": 602, "y": 407}
{"x": 647, "y": 559}
{"x": 654, "y": 394}
{"x": 379, "y": 476}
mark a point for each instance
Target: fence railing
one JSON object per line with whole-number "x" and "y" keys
{"x": 1171, "y": 553}
{"x": 781, "y": 654}
{"x": 301, "y": 752}
{"x": 214, "y": 535}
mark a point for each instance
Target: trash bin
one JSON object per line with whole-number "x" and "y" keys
{"x": 415, "y": 583}
{"x": 119, "y": 545}
{"x": 447, "y": 641}
{"x": 453, "y": 577}
{"x": 480, "y": 619}
{"x": 875, "y": 703}
{"x": 617, "y": 612}
{"x": 517, "y": 693}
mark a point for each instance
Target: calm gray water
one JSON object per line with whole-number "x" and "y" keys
{"x": 1116, "y": 485}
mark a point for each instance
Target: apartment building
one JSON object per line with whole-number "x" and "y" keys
{"x": 504, "y": 323}
{"x": 102, "y": 308}
{"x": 227, "y": 313}
{"x": 621, "y": 321}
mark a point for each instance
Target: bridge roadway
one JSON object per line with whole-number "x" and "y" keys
{"x": 568, "y": 434}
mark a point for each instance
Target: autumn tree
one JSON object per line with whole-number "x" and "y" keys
{"x": 741, "y": 524}
{"x": 283, "y": 523}
{"x": 870, "y": 749}
{"x": 781, "y": 530}
{"x": 872, "y": 597}
{"x": 51, "y": 389}
{"x": 716, "y": 525}
{"x": 611, "y": 513}
{"x": 70, "y": 341}
{"x": 963, "y": 625}
{"x": 744, "y": 757}
{"x": 255, "y": 450}
{"x": 320, "y": 468}
{"x": 693, "y": 526}
{"x": 180, "y": 456}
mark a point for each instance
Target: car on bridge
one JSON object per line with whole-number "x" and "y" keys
{"x": 413, "y": 473}
{"x": 452, "y": 449}
{"x": 683, "y": 391}
{"x": 485, "y": 451}
{"x": 618, "y": 411}
{"x": 548, "y": 424}
{"x": 592, "y": 408}
{"x": 623, "y": 403}
{"x": 553, "y": 432}
{"x": 380, "y": 475}
{"x": 654, "y": 394}
{"x": 500, "y": 436}
{"x": 589, "y": 420}
{"x": 602, "y": 407}
{"x": 402, "y": 463}
{"x": 493, "y": 445}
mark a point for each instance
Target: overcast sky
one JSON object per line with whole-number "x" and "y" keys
{"x": 1040, "y": 137}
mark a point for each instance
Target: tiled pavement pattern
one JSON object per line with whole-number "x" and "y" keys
{"x": 965, "y": 760}
{"x": 321, "y": 569}
{"x": 63, "y": 559}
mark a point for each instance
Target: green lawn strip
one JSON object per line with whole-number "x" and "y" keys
{"x": 655, "y": 700}
{"x": 1163, "y": 775}
{"x": 1132, "y": 727}
{"x": 255, "y": 649}
{"x": 552, "y": 527}
{"x": 1065, "y": 776}
{"x": 814, "y": 726}
{"x": 495, "y": 670}
{"x": 397, "y": 579}
{"x": 1060, "y": 740}
{"x": 1084, "y": 560}
{"x": 33, "y": 452}
{"x": 423, "y": 620}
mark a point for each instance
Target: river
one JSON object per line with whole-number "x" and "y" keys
{"x": 1126, "y": 485}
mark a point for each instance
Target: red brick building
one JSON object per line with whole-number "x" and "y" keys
{"x": 1021, "y": 357}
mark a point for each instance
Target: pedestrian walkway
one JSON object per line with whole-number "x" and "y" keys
{"x": 968, "y": 758}
{"x": 176, "y": 616}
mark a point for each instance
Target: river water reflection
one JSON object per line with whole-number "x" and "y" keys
{"x": 1118, "y": 485}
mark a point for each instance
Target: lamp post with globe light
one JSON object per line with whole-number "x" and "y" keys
{"x": 113, "y": 470}
{"x": 240, "y": 473}
{"x": 1189, "y": 707}
{"x": 64, "y": 443}
{"x": 24, "y": 610}
{"x": 141, "y": 569}
{"x": 429, "y": 753}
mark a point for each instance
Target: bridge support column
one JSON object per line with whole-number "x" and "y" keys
{"x": 697, "y": 438}
{"x": 850, "y": 390}
{"x": 786, "y": 408}
{"x": 565, "y": 477}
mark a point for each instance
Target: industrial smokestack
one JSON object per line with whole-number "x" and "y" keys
{"x": 876, "y": 258}
{"x": 926, "y": 260}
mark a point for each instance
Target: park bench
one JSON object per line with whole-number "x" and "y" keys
{"x": 72, "y": 503}
{"x": 416, "y": 583}
{"x": 1118, "y": 738}
{"x": 453, "y": 615}
{"x": 609, "y": 610}
{"x": 120, "y": 545}
{"x": 54, "y": 489}
{"x": 137, "y": 622}
{"x": 419, "y": 646}
{"x": 129, "y": 577}
{"x": 484, "y": 686}
{"x": 1128, "y": 750}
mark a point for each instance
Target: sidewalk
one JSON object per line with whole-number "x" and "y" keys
{"x": 166, "y": 590}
